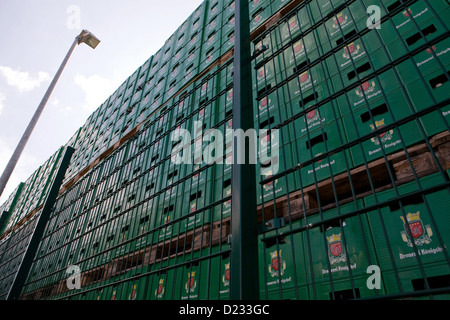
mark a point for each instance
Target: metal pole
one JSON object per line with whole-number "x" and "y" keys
{"x": 23, "y": 141}
{"x": 244, "y": 238}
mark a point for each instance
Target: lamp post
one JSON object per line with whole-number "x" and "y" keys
{"x": 84, "y": 37}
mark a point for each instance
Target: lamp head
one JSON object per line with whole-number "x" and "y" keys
{"x": 88, "y": 38}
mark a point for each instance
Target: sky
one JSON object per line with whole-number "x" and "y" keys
{"x": 36, "y": 35}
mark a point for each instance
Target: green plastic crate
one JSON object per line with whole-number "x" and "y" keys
{"x": 418, "y": 218}
{"x": 278, "y": 164}
{"x": 338, "y": 250}
{"x": 282, "y": 264}
{"x": 328, "y": 137}
{"x": 392, "y": 140}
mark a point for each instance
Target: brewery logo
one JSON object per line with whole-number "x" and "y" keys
{"x": 420, "y": 233}
{"x": 257, "y": 19}
{"x": 365, "y": 89}
{"x": 312, "y": 116}
{"x": 383, "y": 137}
{"x": 159, "y": 292}
{"x": 407, "y": 13}
{"x": 230, "y": 95}
{"x": 261, "y": 73}
{"x": 231, "y": 22}
{"x": 263, "y": 103}
{"x": 430, "y": 50}
{"x": 204, "y": 88}
{"x": 226, "y": 275}
{"x": 351, "y": 50}
{"x": 193, "y": 206}
{"x": 304, "y": 78}
{"x": 339, "y": 20}
{"x": 231, "y": 40}
{"x": 114, "y": 295}
{"x": 191, "y": 283}
{"x": 277, "y": 265}
{"x": 132, "y": 295}
{"x": 298, "y": 47}
{"x": 335, "y": 251}
{"x": 293, "y": 23}
{"x": 268, "y": 186}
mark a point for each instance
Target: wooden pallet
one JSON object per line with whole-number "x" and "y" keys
{"x": 307, "y": 200}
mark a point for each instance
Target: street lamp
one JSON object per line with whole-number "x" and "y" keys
{"x": 84, "y": 37}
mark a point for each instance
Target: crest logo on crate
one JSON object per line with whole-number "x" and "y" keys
{"x": 159, "y": 292}
{"x": 191, "y": 283}
{"x": 407, "y": 13}
{"x": 351, "y": 50}
{"x": 339, "y": 20}
{"x": 293, "y": 23}
{"x": 226, "y": 275}
{"x": 261, "y": 73}
{"x": 304, "y": 78}
{"x": 298, "y": 47}
{"x": 383, "y": 137}
{"x": 132, "y": 295}
{"x": 230, "y": 95}
{"x": 114, "y": 295}
{"x": 258, "y": 18}
{"x": 277, "y": 265}
{"x": 419, "y": 232}
{"x": 430, "y": 50}
{"x": 312, "y": 116}
{"x": 263, "y": 104}
{"x": 365, "y": 89}
{"x": 335, "y": 250}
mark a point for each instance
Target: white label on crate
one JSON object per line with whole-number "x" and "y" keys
{"x": 407, "y": 13}
{"x": 422, "y": 252}
{"x": 432, "y": 57}
{"x": 339, "y": 268}
{"x": 326, "y": 165}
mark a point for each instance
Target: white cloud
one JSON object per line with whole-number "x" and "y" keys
{"x": 97, "y": 90}
{"x": 65, "y": 110}
{"x": 2, "y": 99}
{"x": 22, "y": 80}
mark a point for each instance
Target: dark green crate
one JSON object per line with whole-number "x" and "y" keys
{"x": 278, "y": 5}
{"x": 338, "y": 247}
{"x": 308, "y": 88}
{"x": 292, "y": 25}
{"x": 349, "y": 19}
{"x": 369, "y": 91}
{"x": 282, "y": 264}
{"x": 299, "y": 53}
{"x": 360, "y": 123}
{"x": 412, "y": 279}
{"x": 260, "y": 16}
{"x": 314, "y": 120}
{"x": 318, "y": 142}
{"x": 344, "y": 290}
{"x": 280, "y": 160}
{"x": 401, "y": 35}
{"x": 418, "y": 217}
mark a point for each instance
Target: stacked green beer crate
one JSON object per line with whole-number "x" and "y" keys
{"x": 151, "y": 219}
{"x": 326, "y": 80}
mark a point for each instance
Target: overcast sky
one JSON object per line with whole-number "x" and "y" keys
{"x": 36, "y": 35}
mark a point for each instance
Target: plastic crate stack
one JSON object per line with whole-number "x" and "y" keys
{"x": 358, "y": 110}
{"x": 356, "y": 180}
